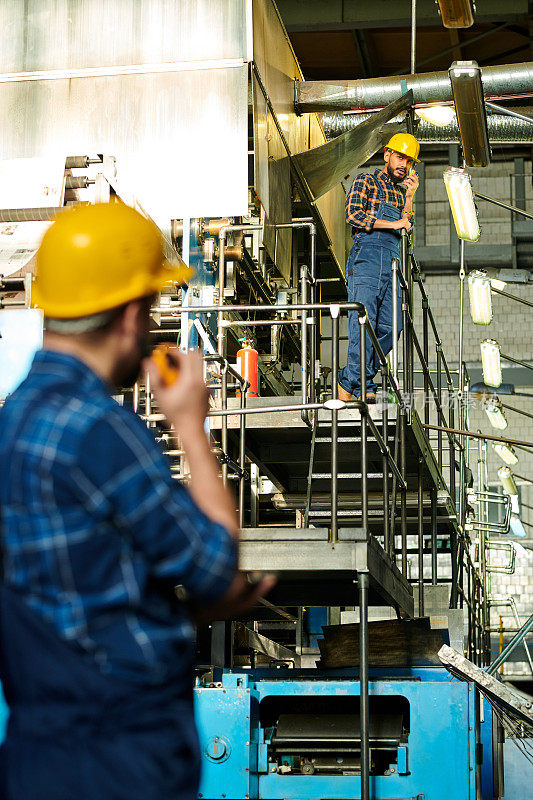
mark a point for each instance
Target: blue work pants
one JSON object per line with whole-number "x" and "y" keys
{"x": 369, "y": 279}
{"x": 75, "y": 733}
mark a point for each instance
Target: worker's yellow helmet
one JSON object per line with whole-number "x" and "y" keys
{"x": 96, "y": 257}
{"x": 404, "y": 143}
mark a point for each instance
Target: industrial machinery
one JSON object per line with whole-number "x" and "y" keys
{"x": 273, "y": 734}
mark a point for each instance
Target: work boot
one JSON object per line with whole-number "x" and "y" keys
{"x": 343, "y": 394}
{"x": 370, "y": 397}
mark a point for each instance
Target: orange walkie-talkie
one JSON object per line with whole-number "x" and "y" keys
{"x": 168, "y": 369}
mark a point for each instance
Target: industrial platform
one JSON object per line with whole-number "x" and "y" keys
{"x": 312, "y": 570}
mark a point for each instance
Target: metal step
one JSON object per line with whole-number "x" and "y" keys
{"x": 321, "y": 475}
{"x": 347, "y": 439}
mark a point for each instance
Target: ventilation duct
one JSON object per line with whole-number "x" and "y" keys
{"x": 502, "y": 129}
{"x": 506, "y": 80}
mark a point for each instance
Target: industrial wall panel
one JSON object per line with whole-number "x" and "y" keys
{"x": 277, "y": 67}
{"x": 260, "y": 144}
{"x": 276, "y": 63}
{"x": 272, "y": 181}
{"x": 59, "y": 34}
{"x": 180, "y": 138}
{"x": 223, "y": 721}
{"x": 331, "y": 204}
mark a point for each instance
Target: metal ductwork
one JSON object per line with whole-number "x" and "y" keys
{"x": 502, "y": 129}
{"x": 507, "y": 80}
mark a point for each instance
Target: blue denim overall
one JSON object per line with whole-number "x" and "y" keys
{"x": 75, "y": 733}
{"x": 369, "y": 278}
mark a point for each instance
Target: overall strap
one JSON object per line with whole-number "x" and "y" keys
{"x": 381, "y": 193}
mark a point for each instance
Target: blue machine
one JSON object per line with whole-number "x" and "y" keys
{"x": 291, "y": 734}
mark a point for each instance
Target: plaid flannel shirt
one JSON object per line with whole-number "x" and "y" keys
{"x": 94, "y": 530}
{"x": 363, "y": 200}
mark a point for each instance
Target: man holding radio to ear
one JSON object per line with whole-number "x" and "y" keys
{"x": 96, "y": 652}
{"x": 378, "y": 207}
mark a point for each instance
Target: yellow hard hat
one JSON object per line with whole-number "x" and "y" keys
{"x": 404, "y": 143}
{"x": 96, "y": 257}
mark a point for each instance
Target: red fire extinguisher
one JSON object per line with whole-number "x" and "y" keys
{"x": 247, "y": 366}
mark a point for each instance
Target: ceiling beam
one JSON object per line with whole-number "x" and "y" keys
{"x": 455, "y": 47}
{"x": 490, "y": 61}
{"x": 347, "y": 15}
{"x": 363, "y": 53}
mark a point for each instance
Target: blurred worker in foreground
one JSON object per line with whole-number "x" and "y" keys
{"x": 96, "y": 652}
{"x": 378, "y": 207}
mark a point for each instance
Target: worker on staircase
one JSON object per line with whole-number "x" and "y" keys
{"x": 378, "y": 207}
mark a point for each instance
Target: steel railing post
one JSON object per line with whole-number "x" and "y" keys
{"x": 363, "y": 678}
{"x": 304, "y": 279}
{"x": 406, "y": 400}
{"x": 407, "y": 306}
{"x": 224, "y": 423}
{"x": 434, "y": 559}
{"x": 403, "y": 496}
{"x": 362, "y": 319}
{"x": 385, "y": 461}
{"x": 314, "y": 326}
{"x": 425, "y": 345}
{"x": 395, "y": 266}
{"x": 242, "y": 453}
{"x": 439, "y": 395}
{"x": 420, "y": 539}
{"x": 334, "y": 312}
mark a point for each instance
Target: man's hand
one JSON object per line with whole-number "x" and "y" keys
{"x": 411, "y": 184}
{"x": 241, "y": 596}
{"x": 185, "y": 403}
{"x": 403, "y": 222}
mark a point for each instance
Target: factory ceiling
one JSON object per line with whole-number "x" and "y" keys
{"x": 350, "y": 39}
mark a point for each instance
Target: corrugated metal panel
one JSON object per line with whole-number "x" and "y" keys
{"x": 55, "y": 34}
{"x": 178, "y": 132}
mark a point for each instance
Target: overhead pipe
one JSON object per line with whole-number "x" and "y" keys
{"x": 502, "y": 129}
{"x": 503, "y": 80}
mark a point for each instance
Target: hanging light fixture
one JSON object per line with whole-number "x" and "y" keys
{"x": 496, "y": 283}
{"x": 461, "y": 198}
{"x": 505, "y": 452}
{"x": 457, "y": 13}
{"x": 479, "y": 290}
{"x": 507, "y": 480}
{"x": 436, "y": 115}
{"x": 494, "y": 412}
{"x": 517, "y": 528}
{"x": 469, "y": 101}
{"x": 491, "y": 362}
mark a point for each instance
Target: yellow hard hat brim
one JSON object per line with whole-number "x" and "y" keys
{"x": 401, "y": 153}
{"x": 171, "y": 274}
{"x": 176, "y": 272}
{"x": 405, "y": 154}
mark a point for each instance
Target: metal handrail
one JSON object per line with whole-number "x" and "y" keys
{"x": 436, "y": 382}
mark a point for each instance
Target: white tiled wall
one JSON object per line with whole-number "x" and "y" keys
{"x": 512, "y": 327}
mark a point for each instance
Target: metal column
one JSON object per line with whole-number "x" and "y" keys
{"x": 334, "y": 311}
{"x": 364, "y": 455}
{"x": 420, "y": 539}
{"x": 363, "y": 677}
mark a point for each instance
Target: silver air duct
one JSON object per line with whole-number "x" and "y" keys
{"x": 502, "y": 129}
{"x": 507, "y": 80}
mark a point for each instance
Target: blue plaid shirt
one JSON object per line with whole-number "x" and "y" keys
{"x": 95, "y": 531}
